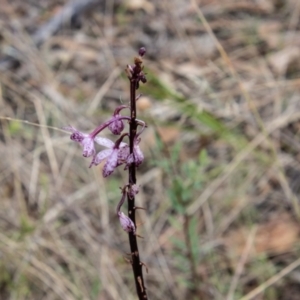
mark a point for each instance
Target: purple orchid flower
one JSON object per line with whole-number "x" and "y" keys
{"x": 137, "y": 156}
{"x": 118, "y": 153}
{"x": 84, "y": 139}
{"x": 115, "y": 155}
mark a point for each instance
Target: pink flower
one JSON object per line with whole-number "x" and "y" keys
{"x": 114, "y": 155}
{"x": 84, "y": 139}
{"x": 126, "y": 222}
{"x": 137, "y": 156}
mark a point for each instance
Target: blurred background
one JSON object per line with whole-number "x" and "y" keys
{"x": 220, "y": 182}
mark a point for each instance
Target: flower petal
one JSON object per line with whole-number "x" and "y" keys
{"x": 138, "y": 155}
{"x": 101, "y": 156}
{"x": 104, "y": 142}
{"x": 83, "y": 139}
{"x": 129, "y": 160}
{"x": 69, "y": 128}
{"x": 123, "y": 154}
{"x": 88, "y": 146}
{"x": 76, "y": 135}
{"x": 111, "y": 163}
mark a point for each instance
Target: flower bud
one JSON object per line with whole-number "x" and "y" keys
{"x": 126, "y": 222}
{"x": 77, "y": 136}
{"x": 142, "y": 51}
{"x": 133, "y": 190}
{"x": 143, "y": 78}
{"x": 117, "y": 126}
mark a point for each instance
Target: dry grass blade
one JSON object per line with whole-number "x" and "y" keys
{"x": 261, "y": 288}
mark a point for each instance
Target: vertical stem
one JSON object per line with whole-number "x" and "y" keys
{"x": 136, "y": 264}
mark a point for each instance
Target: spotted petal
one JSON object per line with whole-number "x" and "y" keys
{"x": 123, "y": 154}
{"x": 84, "y": 140}
{"x": 101, "y": 156}
{"x": 111, "y": 163}
{"x": 138, "y": 155}
{"x": 104, "y": 142}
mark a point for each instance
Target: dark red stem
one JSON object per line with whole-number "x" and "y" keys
{"x": 136, "y": 263}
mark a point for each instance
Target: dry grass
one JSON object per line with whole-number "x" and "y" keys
{"x": 221, "y": 179}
